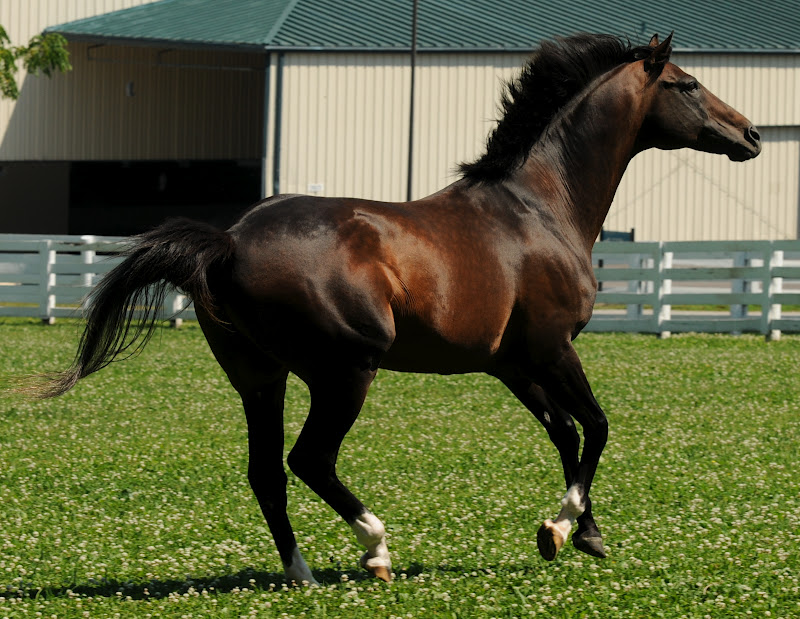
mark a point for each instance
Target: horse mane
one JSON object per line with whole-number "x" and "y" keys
{"x": 557, "y": 72}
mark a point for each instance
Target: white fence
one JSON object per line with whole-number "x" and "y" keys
{"x": 650, "y": 278}
{"x": 46, "y": 278}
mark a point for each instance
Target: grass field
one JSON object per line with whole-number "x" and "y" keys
{"x": 128, "y": 497}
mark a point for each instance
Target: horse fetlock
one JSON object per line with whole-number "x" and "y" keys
{"x": 371, "y": 533}
{"x": 573, "y": 504}
{"x": 369, "y": 530}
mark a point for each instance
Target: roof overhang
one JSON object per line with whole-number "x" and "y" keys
{"x": 445, "y": 26}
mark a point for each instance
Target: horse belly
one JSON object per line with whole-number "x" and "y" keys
{"x": 419, "y": 347}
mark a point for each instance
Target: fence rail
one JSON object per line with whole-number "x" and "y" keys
{"x": 640, "y": 283}
{"x": 753, "y": 279}
{"x": 48, "y": 277}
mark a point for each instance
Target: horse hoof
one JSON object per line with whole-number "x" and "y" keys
{"x": 382, "y": 573}
{"x": 549, "y": 540}
{"x": 590, "y": 545}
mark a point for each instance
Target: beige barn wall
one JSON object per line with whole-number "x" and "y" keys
{"x": 345, "y": 132}
{"x": 345, "y": 125}
{"x": 346, "y": 119}
{"x": 183, "y": 105}
{"x": 685, "y": 195}
{"x": 22, "y": 19}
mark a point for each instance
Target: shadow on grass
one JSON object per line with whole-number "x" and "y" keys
{"x": 213, "y": 585}
{"x": 157, "y": 589}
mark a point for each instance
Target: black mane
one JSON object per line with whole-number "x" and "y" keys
{"x": 556, "y": 73}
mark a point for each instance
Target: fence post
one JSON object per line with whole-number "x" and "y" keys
{"x": 634, "y": 312}
{"x": 87, "y": 257}
{"x": 47, "y": 279}
{"x": 175, "y": 303}
{"x": 774, "y": 285}
{"x": 739, "y": 310}
{"x": 664, "y": 288}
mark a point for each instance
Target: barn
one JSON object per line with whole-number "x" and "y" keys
{"x": 200, "y": 107}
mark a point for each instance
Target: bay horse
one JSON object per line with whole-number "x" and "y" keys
{"x": 492, "y": 274}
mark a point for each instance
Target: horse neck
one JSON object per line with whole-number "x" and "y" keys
{"x": 590, "y": 146}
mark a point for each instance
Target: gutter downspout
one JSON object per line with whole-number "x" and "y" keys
{"x": 265, "y": 128}
{"x": 410, "y": 173}
{"x": 276, "y": 147}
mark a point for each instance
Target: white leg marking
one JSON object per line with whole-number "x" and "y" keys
{"x": 371, "y": 533}
{"x": 572, "y": 506}
{"x": 299, "y": 571}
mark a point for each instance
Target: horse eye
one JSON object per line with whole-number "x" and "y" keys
{"x": 691, "y": 86}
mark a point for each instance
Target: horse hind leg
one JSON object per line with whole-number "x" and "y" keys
{"x": 261, "y": 383}
{"x": 264, "y": 412}
{"x": 336, "y": 399}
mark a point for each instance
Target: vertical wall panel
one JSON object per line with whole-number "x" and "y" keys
{"x": 457, "y": 106}
{"x": 345, "y": 125}
{"x": 23, "y": 19}
{"x": 346, "y": 120}
{"x": 185, "y": 105}
{"x": 686, "y": 195}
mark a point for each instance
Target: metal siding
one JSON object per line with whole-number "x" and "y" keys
{"x": 22, "y": 19}
{"x": 346, "y": 120}
{"x": 765, "y": 88}
{"x": 84, "y": 115}
{"x": 457, "y": 105}
{"x": 687, "y": 196}
{"x": 177, "y": 112}
{"x": 345, "y": 125}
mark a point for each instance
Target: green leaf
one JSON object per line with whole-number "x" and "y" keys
{"x": 46, "y": 53}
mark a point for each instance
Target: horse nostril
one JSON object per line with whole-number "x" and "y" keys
{"x": 753, "y": 135}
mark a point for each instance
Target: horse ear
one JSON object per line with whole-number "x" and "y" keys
{"x": 654, "y": 41}
{"x": 658, "y": 59}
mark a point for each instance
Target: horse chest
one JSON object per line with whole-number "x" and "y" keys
{"x": 560, "y": 290}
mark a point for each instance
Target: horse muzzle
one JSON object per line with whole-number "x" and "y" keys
{"x": 747, "y": 149}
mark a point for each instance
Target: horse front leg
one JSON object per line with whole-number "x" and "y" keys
{"x": 566, "y": 385}
{"x": 564, "y": 435}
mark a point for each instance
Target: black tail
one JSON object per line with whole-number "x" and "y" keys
{"x": 177, "y": 254}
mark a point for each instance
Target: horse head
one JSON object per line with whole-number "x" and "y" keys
{"x": 683, "y": 113}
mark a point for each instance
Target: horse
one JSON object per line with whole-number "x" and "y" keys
{"x": 491, "y": 274}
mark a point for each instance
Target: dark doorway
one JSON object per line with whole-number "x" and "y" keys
{"x": 121, "y": 198}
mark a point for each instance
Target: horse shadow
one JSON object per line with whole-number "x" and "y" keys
{"x": 215, "y": 584}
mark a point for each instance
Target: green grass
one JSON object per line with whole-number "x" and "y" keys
{"x": 128, "y": 496}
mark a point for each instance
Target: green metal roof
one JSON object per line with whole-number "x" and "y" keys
{"x": 446, "y": 25}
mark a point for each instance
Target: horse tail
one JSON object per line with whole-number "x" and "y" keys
{"x": 180, "y": 253}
